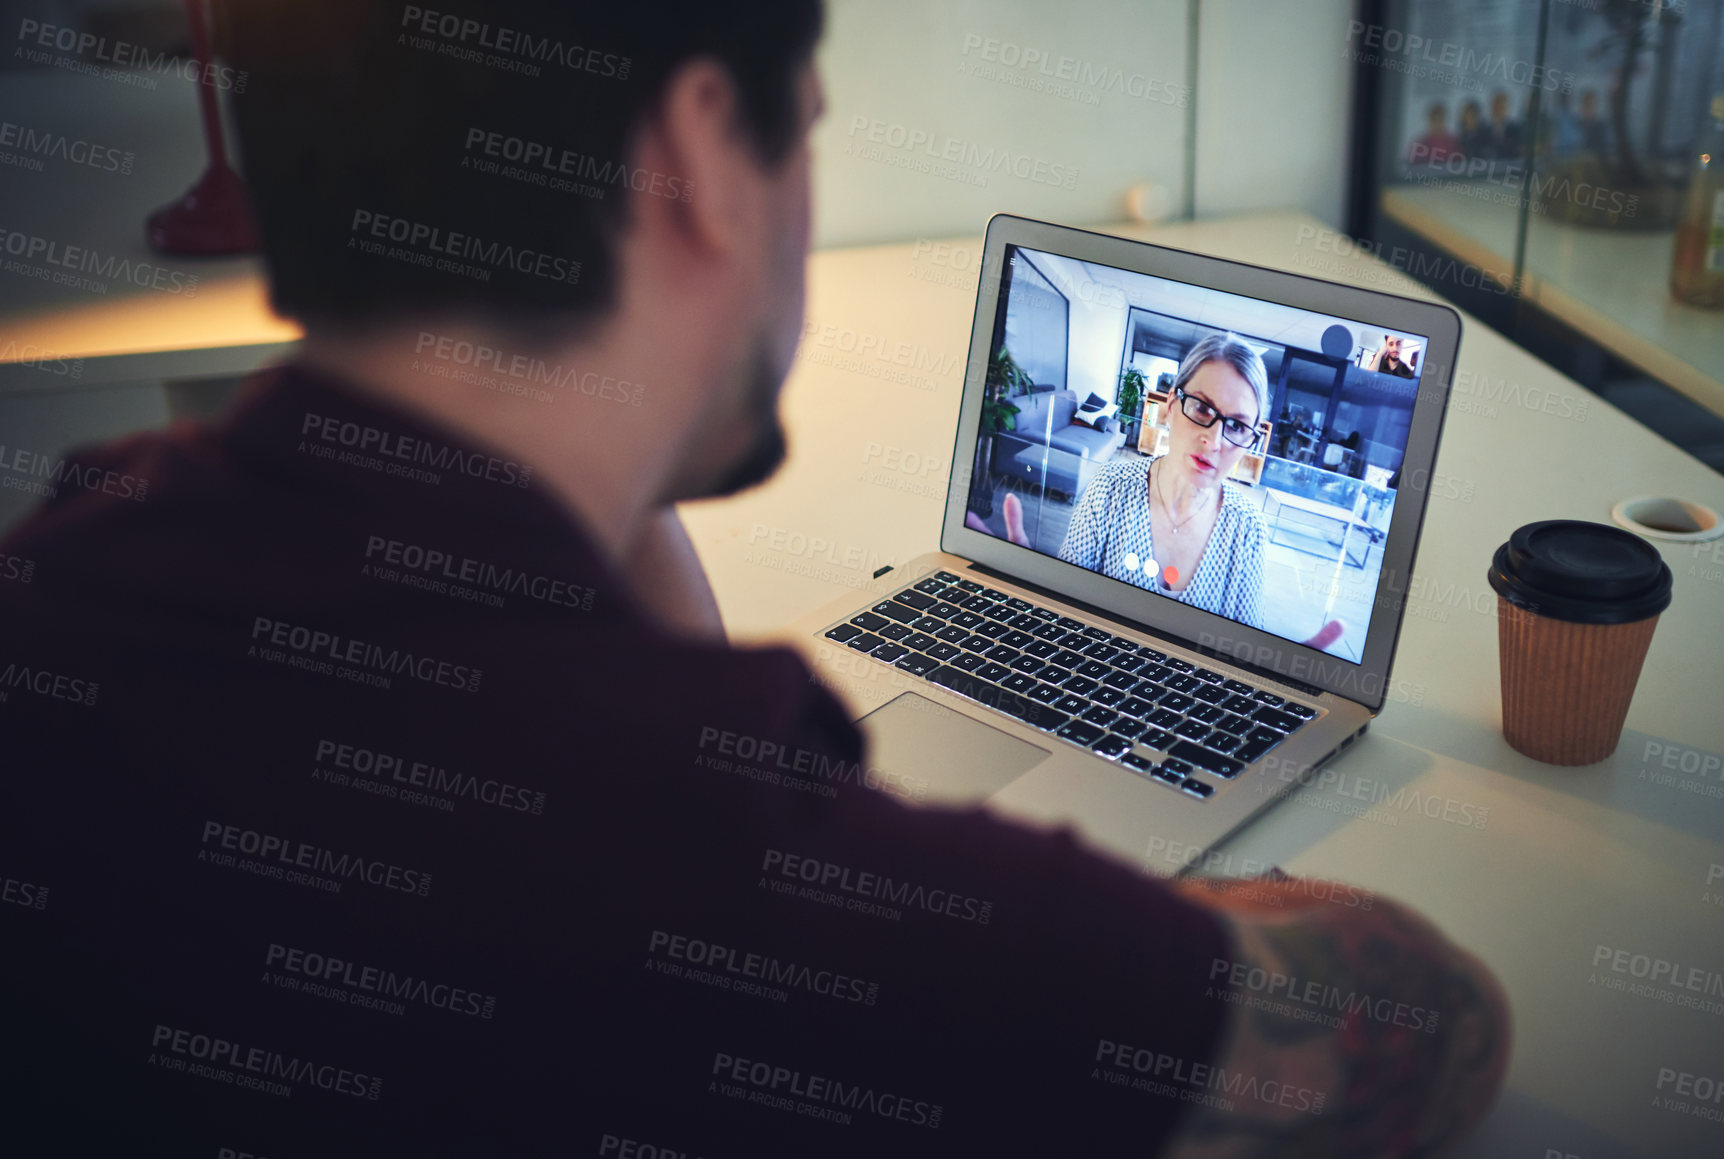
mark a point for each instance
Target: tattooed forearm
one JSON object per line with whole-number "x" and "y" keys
{"x": 1401, "y": 1038}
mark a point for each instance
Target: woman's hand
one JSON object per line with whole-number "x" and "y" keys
{"x": 1326, "y": 635}
{"x": 1013, "y": 510}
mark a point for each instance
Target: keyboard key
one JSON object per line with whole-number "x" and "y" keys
{"x": 1107, "y": 696}
{"x": 1028, "y": 665}
{"x": 1070, "y": 624}
{"x": 1156, "y": 672}
{"x": 1155, "y": 738}
{"x": 1026, "y": 710}
{"x": 1123, "y": 644}
{"x": 1168, "y": 775}
{"x": 1016, "y": 639}
{"x": 1207, "y": 713}
{"x": 1040, "y": 649}
{"x": 975, "y": 643}
{"x": 1269, "y": 698}
{"x": 915, "y": 599}
{"x": 919, "y": 641}
{"x": 1101, "y": 652}
{"x": 1076, "y": 641}
{"x": 1044, "y": 693}
{"x": 1043, "y": 615}
{"x": 895, "y": 631}
{"x": 976, "y": 604}
{"x": 1025, "y": 623}
{"x": 932, "y": 587}
{"x": 843, "y": 632}
{"x": 1054, "y": 674}
{"x": 1049, "y": 633}
{"x": 966, "y": 620}
{"x": 1129, "y": 665}
{"x": 1179, "y": 665}
{"x": 1191, "y": 730}
{"x": 1000, "y": 654}
{"x": 1136, "y": 706}
{"x": 1164, "y": 718}
{"x": 1284, "y": 721}
{"x": 1303, "y": 712}
{"x": 896, "y": 611}
{"x": 1152, "y": 655}
{"x": 869, "y": 622}
{"x": 1094, "y": 669}
{"x": 1019, "y": 683}
{"x": 1080, "y": 685}
{"x": 993, "y": 593}
{"x": 1019, "y": 603}
{"x": 1175, "y": 702}
{"x": 993, "y": 673}
{"x": 1207, "y": 758}
{"x": 999, "y": 613}
{"x": 1080, "y": 733}
{"x": 1111, "y": 745}
{"x": 1243, "y": 705}
{"x": 992, "y": 629}
{"x": 1130, "y": 729}
{"x": 1211, "y": 693}
{"x": 1196, "y": 787}
{"x": 1095, "y": 633}
{"x": 946, "y": 611}
{"x": 1071, "y": 704}
{"x": 889, "y": 652}
{"x": 929, "y": 624}
{"x": 1238, "y": 687}
{"x": 1175, "y": 765}
{"x": 952, "y": 634}
{"x": 1234, "y": 723}
{"x": 945, "y": 577}
{"x": 867, "y": 642}
{"x": 1066, "y": 658}
{"x": 1101, "y": 716}
{"x": 1148, "y": 690}
{"x": 1224, "y": 742}
{"x": 968, "y": 662}
{"x": 1183, "y": 683}
{"x": 1136, "y": 763}
{"x": 1209, "y": 675}
{"x": 917, "y": 664}
{"x": 944, "y": 652}
{"x": 967, "y": 585}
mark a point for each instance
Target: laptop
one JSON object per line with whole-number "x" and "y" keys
{"x": 1042, "y": 662}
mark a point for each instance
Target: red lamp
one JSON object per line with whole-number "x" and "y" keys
{"x": 214, "y": 216}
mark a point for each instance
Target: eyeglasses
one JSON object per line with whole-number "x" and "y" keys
{"x": 1240, "y": 434}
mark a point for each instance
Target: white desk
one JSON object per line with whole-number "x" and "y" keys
{"x": 1566, "y": 859}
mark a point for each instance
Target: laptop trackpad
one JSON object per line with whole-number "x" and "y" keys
{"x": 961, "y": 760}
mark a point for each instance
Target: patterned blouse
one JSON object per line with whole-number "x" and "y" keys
{"x": 1109, "y": 533}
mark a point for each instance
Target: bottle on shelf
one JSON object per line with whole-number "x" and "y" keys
{"x": 1697, "y": 261}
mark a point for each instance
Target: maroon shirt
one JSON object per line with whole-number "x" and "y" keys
{"x": 352, "y": 805}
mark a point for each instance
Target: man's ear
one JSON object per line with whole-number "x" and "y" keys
{"x": 697, "y": 135}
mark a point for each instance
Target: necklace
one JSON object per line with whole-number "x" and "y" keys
{"x": 1165, "y": 506}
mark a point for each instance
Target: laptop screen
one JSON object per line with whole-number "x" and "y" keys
{"x": 1231, "y": 453}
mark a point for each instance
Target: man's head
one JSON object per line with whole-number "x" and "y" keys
{"x": 626, "y": 180}
{"x": 1391, "y": 348}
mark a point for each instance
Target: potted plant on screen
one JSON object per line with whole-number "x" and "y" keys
{"x": 1132, "y": 386}
{"x": 1006, "y": 380}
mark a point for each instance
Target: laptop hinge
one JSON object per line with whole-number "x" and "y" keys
{"x": 1222, "y": 657}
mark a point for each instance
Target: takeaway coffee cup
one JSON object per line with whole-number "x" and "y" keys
{"x": 1576, "y": 606}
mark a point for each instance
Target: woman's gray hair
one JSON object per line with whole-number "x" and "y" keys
{"x": 1230, "y": 351}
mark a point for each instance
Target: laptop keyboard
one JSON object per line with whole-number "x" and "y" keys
{"x": 1159, "y": 716}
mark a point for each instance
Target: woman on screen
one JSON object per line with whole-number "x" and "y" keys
{"x": 1175, "y": 524}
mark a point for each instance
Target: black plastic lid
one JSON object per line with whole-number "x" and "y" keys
{"x": 1587, "y": 573}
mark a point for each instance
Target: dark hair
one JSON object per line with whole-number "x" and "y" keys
{"x": 378, "y": 139}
